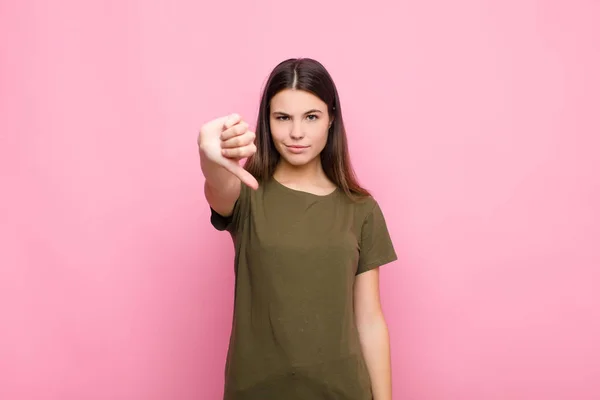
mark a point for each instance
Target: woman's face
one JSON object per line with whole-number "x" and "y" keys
{"x": 299, "y": 125}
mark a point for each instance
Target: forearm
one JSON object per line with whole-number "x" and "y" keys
{"x": 216, "y": 177}
{"x": 375, "y": 343}
{"x": 221, "y": 187}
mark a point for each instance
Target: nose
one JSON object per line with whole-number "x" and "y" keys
{"x": 297, "y": 132}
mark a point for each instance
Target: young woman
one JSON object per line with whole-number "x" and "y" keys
{"x": 308, "y": 244}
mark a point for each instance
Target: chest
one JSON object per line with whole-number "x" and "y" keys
{"x": 296, "y": 236}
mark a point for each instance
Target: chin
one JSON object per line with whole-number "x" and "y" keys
{"x": 296, "y": 161}
{"x": 299, "y": 160}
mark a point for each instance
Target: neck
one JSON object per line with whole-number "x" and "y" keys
{"x": 308, "y": 173}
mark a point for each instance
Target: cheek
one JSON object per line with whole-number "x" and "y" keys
{"x": 320, "y": 133}
{"x": 277, "y": 133}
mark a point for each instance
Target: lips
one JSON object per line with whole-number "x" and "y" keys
{"x": 296, "y": 149}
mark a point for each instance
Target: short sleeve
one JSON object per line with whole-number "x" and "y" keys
{"x": 376, "y": 247}
{"x": 233, "y": 222}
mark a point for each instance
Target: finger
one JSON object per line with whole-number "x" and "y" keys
{"x": 236, "y": 130}
{"x": 231, "y": 120}
{"x": 239, "y": 152}
{"x": 246, "y": 177}
{"x": 239, "y": 141}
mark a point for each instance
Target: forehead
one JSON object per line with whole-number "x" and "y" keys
{"x": 296, "y": 101}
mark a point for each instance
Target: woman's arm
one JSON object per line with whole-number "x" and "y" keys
{"x": 221, "y": 144}
{"x": 373, "y": 332}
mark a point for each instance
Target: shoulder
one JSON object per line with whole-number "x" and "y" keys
{"x": 359, "y": 209}
{"x": 362, "y": 206}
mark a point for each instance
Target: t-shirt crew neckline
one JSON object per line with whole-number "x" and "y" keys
{"x": 302, "y": 192}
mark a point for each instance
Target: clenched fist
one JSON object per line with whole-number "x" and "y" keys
{"x": 227, "y": 140}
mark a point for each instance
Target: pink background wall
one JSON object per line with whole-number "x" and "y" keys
{"x": 475, "y": 123}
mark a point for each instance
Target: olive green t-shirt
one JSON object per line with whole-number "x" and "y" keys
{"x": 297, "y": 255}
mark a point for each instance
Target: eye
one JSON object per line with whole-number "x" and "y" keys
{"x": 312, "y": 117}
{"x": 282, "y": 118}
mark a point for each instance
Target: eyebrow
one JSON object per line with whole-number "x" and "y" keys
{"x": 313, "y": 111}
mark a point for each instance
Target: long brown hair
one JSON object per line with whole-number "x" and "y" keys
{"x": 311, "y": 76}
